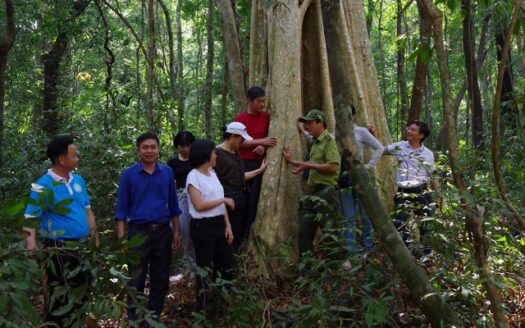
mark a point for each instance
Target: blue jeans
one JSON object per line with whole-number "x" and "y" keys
{"x": 184, "y": 223}
{"x": 350, "y": 204}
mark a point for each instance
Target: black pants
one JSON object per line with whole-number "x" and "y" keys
{"x": 321, "y": 208}
{"x": 417, "y": 203}
{"x": 254, "y": 190}
{"x": 155, "y": 259}
{"x": 59, "y": 268}
{"x": 212, "y": 254}
{"x": 238, "y": 217}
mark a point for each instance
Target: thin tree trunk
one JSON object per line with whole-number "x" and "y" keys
{"x": 180, "y": 61}
{"x": 474, "y": 218}
{"x": 209, "y": 73}
{"x": 52, "y": 60}
{"x": 6, "y": 43}
{"x": 224, "y": 91}
{"x": 423, "y": 57}
{"x": 382, "y": 53}
{"x": 502, "y": 190}
{"x": 401, "y": 74}
{"x": 472, "y": 76}
{"x": 370, "y": 15}
{"x": 343, "y": 70}
{"x": 231, "y": 44}
{"x": 508, "y": 112}
{"x": 150, "y": 67}
{"x": 171, "y": 49}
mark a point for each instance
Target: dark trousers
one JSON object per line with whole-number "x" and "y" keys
{"x": 238, "y": 217}
{"x": 254, "y": 191}
{"x": 321, "y": 208}
{"x": 59, "y": 269}
{"x": 407, "y": 203}
{"x": 155, "y": 259}
{"x": 212, "y": 254}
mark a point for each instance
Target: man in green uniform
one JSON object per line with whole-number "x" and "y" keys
{"x": 322, "y": 208}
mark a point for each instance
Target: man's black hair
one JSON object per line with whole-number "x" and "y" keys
{"x": 225, "y": 135}
{"x": 200, "y": 152}
{"x": 423, "y": 128}
{"x": 183, "y": 138}
{"x": 254, "y": 93}
{"x": 145, "y": 136}
{"x": 58, "y": 146}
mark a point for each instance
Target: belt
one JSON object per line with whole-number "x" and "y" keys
{"x": 57, "y": 242}
{"x": 150, "y": 226}
{"x": 413, "y": 190}
{"x": 210, "y": 218}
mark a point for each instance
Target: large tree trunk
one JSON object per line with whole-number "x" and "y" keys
{"x": 209, "y": 72}
{"x": 344, "y": 78}
{"x": 52, "y": 60}
{"x": 150, "y": 67}
{"x": 474, "y": 218}
{"x": 423, "y": 56}
{"x": 231, "y": 44}
{"x": 5, "y": 45}
{"x": 472, "y": 77}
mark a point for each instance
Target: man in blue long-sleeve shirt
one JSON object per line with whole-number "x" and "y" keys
{"x": 147, "y": 201}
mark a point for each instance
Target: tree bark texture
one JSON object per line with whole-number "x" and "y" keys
{"x": 343, "y": 79}
{"x": 474, "y": 218}
{"x": 150, "y": 67}
{"x": 508, "y": 112}
{"x": 258, "y": 70}
{"x": 500, "y": 86}
{"x": 5, "y": 46}
{"x": 231, "y": 44}
{"x": 472, "y": 76}
{"x": 52, "y": 61}
{"x": 209, "y": 73}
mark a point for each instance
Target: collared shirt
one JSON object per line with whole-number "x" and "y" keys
{"x": 324, "y": 151}
{"x": 363, "y": 138}
{"x": 61, "y": 204}
{"x": 147, "y": 198}
{"x": 415, "y": 165}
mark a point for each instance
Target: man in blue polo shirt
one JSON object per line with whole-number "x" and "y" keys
{"x": 59, "y": 198}
{"x": 147, "y": 201}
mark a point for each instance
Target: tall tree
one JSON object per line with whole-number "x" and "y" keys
{"x": 401, "y": 74}
{"x": 230, "y": 36}
{"x": 52, "y": 61}
{"x": 508, "y": 110}
{"x": 421, "y": 73}
{"x": 472, "y": 76}
{"x": 5, "y": 45}
{"x": 150, "y": 66}
{"x": 180, "y": 67}
{"x": 474, "y": 218}
{"x": 209, "y": 72}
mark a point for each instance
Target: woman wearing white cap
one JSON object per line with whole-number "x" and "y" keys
{"x": 230, "y": 171}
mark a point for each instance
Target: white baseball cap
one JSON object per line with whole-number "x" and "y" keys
{"x": 239, "y": 129}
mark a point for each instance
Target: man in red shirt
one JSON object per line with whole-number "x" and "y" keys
{"x": 252, "y": 152}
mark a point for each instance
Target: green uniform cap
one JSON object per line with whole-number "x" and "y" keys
{"x": 313, "y": 115}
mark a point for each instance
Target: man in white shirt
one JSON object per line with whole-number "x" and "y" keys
{"x": 414, "y": 177}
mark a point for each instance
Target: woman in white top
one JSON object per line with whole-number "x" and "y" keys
{"x": 210, "y": 229}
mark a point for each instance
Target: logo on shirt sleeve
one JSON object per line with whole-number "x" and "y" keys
{"x": 77, "y": 188}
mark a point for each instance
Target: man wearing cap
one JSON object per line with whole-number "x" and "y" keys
{"x": 324, "y": 166}
{"x": 147, "y": 201}
{"x": 252, "y": 152}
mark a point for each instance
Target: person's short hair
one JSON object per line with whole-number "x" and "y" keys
{"x": 145, "y": 136}
{"x": 58, "y": 146}
{"x": 254, "y": 93}
{"x": 423, "y": 128}
{"x": 200, "y": 152}
{"x": 183, "y": 138}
